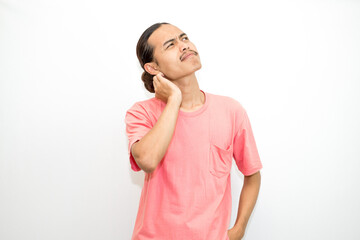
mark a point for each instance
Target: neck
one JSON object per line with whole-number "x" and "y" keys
{"x": 192, "y": 97}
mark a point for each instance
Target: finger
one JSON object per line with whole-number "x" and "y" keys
{"x": 160, "y": 76}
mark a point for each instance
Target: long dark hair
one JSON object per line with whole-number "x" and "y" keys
{"x": 145, "y": 54}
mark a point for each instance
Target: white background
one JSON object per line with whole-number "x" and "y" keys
{"x": 69, "y": 72}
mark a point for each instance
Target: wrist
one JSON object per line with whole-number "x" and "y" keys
{"x": 175, "y": 99}
{"x": 239, "y": 229}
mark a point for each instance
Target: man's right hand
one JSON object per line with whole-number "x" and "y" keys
{"x": 146, "y": 153}
{"x": 165, "y": 89}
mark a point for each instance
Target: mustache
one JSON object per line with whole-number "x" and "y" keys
{"x": 195, "y": 53}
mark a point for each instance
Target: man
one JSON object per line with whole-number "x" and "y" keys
{"x": 184, "y": 140}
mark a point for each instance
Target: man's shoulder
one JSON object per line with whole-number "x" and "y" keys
{"x": 149, "y": 108}
{"x": 224, "y": 101}
{"x": 147, "y": 104}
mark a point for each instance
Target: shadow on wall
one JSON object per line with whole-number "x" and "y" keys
{"x": 137, "y": 177}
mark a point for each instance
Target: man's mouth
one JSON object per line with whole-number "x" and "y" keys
{"x": 187, "y": 54}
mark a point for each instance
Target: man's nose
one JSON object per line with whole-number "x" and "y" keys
{"x": 184, "y": 46}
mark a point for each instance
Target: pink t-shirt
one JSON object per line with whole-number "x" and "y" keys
{"x": 188, "y": 195}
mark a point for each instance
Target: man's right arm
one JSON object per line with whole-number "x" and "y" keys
{"x": 149, "y": 151}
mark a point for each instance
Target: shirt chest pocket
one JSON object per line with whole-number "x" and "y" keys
{"x": 220, "y": 160}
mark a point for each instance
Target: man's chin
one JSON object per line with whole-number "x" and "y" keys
{"x": 188, "y": 73}
{"x": 194, "y": 70}
{"x": 197, "y": 68}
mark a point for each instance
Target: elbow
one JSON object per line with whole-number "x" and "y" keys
{"x": 144, "y": 159}
{"x": 148, "y": 170}
{"x": 146, "y": 165}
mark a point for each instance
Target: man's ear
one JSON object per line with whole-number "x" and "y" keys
{"x": 151, "y": 68}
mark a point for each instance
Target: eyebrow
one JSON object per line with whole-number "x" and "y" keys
{"x": 173, "y": 39}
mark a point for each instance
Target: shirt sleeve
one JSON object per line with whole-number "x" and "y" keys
{"x": 245, "y": 151}
{"x": 138, "y": 125}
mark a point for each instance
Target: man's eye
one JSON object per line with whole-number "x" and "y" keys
{"x": 169, "y": 45}
{"x": 186, "y": 38}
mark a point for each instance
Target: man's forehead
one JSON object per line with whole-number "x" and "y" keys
{"x": 164, "y": 33}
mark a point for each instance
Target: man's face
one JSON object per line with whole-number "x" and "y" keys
{"x": 171, "y": 51}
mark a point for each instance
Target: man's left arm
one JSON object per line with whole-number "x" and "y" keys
{"x": 248, "y": 197}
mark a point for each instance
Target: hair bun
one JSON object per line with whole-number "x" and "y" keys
{"x": 147, "y": 78}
